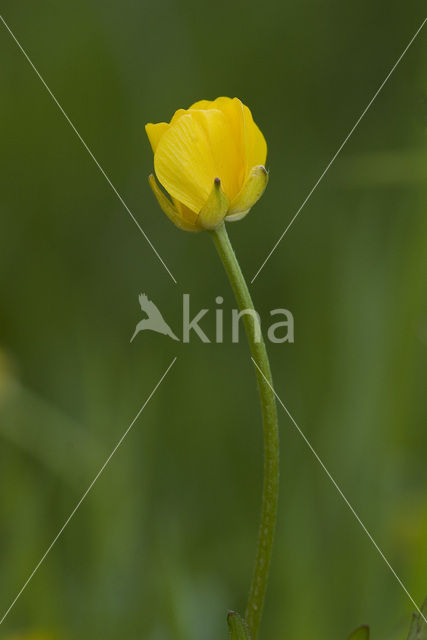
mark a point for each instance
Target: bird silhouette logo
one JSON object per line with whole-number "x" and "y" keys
{"x": 154, "y": 321}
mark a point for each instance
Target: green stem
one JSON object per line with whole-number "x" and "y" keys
{"x": 271, "y": 432}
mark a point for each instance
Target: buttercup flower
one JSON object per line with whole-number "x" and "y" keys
{"x": 210, "y": 159}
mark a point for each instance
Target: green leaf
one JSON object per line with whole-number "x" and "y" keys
{"x": 361, "y": 633}
{"x": 238, "y": 627}
{"x": 418, "y": 629}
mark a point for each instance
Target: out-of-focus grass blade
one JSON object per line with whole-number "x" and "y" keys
{"x": 361, "y": 633}
{"x": 238, "y": 627}
{"x": 418, "y": 629}
{"x": 381, "y": 169}
{"x": 35, "y": 426}
{"x": 413, "y": 629}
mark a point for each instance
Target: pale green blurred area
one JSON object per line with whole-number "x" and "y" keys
{"x": 164, "y": 543}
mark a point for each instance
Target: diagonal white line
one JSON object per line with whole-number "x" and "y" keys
{"x": 85, "y": 145}
{"x": 337, "y": 487}
{"x": 58, "y": 535}
{"x": 340, "y": 148}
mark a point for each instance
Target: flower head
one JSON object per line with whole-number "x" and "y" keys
{"x": 210, "y": 159}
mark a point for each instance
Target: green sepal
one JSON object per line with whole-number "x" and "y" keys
{"x": 238, "y": 628}
{"x": 418, "y": 629}
{"x": 168, "y": 207}
{"x": 361, "y": 633}
{"x": 249, "y": 194}
{"x": 213, "y": 212}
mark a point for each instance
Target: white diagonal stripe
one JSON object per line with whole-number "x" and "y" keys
{"x": 42, "y": 80}
{"x": 72, "y": 514}
{"x": 338, "y": 488}
{"x": 340, "y": 148}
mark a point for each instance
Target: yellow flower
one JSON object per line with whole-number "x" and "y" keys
{"x": 210, "y": 159}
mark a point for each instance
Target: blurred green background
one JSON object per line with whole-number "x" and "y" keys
{"x": 164, "y": 543}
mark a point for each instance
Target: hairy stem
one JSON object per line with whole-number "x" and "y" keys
{"x": 271, "y": 432}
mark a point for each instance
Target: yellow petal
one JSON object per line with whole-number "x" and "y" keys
{"x": 197, "y": 148}
{"x": 155, "y": 132}
{"x": 232, "y": 109}
{"x": 172, "y": 212}
{"x": 251, "y": 192}
{"x": 252, "y": 144}
{"x": 178, "y": 113}
{"x": 226, "y": 156}
{"x": 204, "y": 104}
{"x": 188, "y": 216}
{"x": 219, "y": 103}
{"x": 213, "y": 213}
{"x": 248, "y": 137}
{"x": 183, "y": 163}
{"x": 255, "y": 144}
